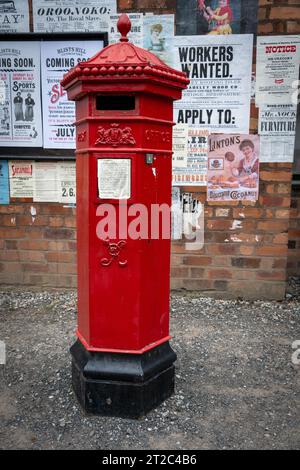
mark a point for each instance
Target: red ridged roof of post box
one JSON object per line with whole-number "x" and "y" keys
{"x": 125, "y": 60}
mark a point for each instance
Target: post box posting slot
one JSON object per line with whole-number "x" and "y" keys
{"x": 115, "y": 102}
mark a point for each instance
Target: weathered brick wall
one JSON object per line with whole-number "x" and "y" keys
{"x": 40, "y": 250}
{"x": 294, "y": 235}
{"x": 246, "y": 245}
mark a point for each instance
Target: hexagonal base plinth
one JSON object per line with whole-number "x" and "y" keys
{"x": 124, "y": 385}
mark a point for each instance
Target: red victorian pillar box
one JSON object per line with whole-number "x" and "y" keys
{"x": 122, "y": 362}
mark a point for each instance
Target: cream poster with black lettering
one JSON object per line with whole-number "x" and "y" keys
{"x": 57, "y": 58}
{"x": 14, "y": 16}
{"x": 20, "y": 91}
{"x": 219, "y": 68}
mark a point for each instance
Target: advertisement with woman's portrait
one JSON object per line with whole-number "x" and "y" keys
{"x": 233, "y": 167}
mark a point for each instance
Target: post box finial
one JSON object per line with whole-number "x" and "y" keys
{"x": 124, "y": 26}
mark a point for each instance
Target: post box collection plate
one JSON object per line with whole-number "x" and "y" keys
{"x": 122, "y": 362}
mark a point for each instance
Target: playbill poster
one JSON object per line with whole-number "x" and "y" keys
{"x": 277, "y": 129}
{"x": 57, "y": 58}
{"x": 20, "y": 102}
{"x": 136, "y": 33}
{"x": 233, "y": 168}
{"x": 277, "y": 69}
{"x": 219, "y": 94}
{"x": 14, "y": 16}
{"x": 21, "y": 178}
{"x": 72, "y": 15}
{"x": 195, "y": 171}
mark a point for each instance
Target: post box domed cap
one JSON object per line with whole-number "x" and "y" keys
{"x": 124, "y": 60}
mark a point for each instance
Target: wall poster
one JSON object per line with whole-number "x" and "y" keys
{"x": 233, "y": 168}
{"x": 195, "y": 171}
{"x": 219, "y": 94}
{"x": 4, "y": 182}
{"x": 180, "y": 137}
{"x": 277, "y": 129}
{"x": 159, "y": 36}
{"x": 14, "y": 16}
{"x": 216, "y": 17}
{"x": 277, "y": 68}
{"x": 21, "y": 178}
{"x": 20, "y": 106}
{"x": 59, "y": 113}
{"x": 136, "y": 33}
{"x": 72, "y": 16}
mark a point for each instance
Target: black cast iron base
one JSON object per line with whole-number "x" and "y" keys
{"x": 124, "y": 385}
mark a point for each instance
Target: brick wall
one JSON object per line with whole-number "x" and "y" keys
{"x": 40, "y": 250}
{"x": 246, "y": 245}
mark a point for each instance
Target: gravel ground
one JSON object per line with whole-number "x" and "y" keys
{"x": 236, "y": 385}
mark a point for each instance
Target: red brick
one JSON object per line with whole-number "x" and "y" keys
{"x": 219, "y": 224}
{"x": 56, "y": 221}
{"x": 272, "y": 225}
{"x": 40, "y": 245}
{"x": 284, "y": 13}
{"x": 59, "y": 233}
{"x": 11, "y": 244}
{"x": 60, "y": 257}
{"x": 293, "y": 27}
{"x": 265, "y": 28}
{"x": 10, "y": 267}
{"x": 248, "y": 212}
{"x": 12, "y": 233}
{"x": 8, "y": 220}
{"x": 35, "y": 267}
{"x": 274, "y": 201}
{"x": 12, "y": 209}
{"x": 251, "y": 263}
{"x": 283, "y": 188}
{"x": 282, "y": 213}
{"x": 125, "y": 5}
{"x": 278, "y": 275}
{"x": 70, "y": 222}
{"x": 197, "y": 272}
{"x": 197, "y": 260}
{"x": 176, "y": 284}
{"x": 215, "y": 249}
{"x": 67, "y": 268}
{"x": 275, "y": 175}
{"x": 243, "y": 274}
{"x": 180, "y": 272}
{"x": 197, "y": 284}
{"x": 9, "y": 255}
{"x": 262, "y": 14}
{"x": 219, "y": 274}
{"x": 281, "y": 238}
{"x": 32, "y": 221}
{"x": 32, "y": 256}
{"x": 278, "y": 250}
{"x": 279, "y": 263}
{"x": 246, "y": 250}
{"x": 176, "y": 260}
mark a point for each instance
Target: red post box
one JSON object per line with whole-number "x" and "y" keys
{"x": 122, "y": 362}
